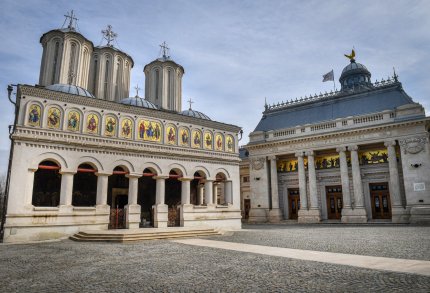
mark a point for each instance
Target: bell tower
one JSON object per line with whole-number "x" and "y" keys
{"x": 163, "y": 82}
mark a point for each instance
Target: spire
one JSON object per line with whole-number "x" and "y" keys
{"x": 165, "y": 50}
{"x": 109, "y": 35}
{"x": 265, "y": 104}
{"x": 72, "y": 20}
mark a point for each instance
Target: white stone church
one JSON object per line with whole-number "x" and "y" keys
{"x": 87, "y": 155}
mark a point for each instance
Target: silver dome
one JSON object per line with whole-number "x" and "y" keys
{"x": 196, "y": 114}
{"x": 138, "y": 102}
{"x": 70, "y": 89}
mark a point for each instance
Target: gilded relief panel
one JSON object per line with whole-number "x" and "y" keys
{"x": 376, "y": 156}
{"x": 110, "y": 126}
{"x": 219, "y": 141}
{"x": 230, "y": 144}
{"x": 171, "y": 134}
{"x": 54, "y": 118}
{"x": 197, "y": 139}
{"x": 290, "y": 165}
{"x": 126, "y": 128}
{"x": 184, "y": 139}
{"x": 92, "y": 123}
{"x": 34, "y": 114}
{"x": 208, "y": 139}
{"x": 150, "y": 130}
{"x": 73, "y": 120}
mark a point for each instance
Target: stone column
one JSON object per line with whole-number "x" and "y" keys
{"x": 215, "y": 192}
{"x": 185, "y": 207}
{"x": 66, "y": 191}
{"x": 344, "y": 178}
{"x": 28, "y": 190}
{"x": 302, "y": 182}
{"x": 208, "y": 192}
{"x": 200, "y": 194}
{"x": 359, "y": 211}
{"x": 160, "y": 208}
{"x": 314, "y": 210}
{"x": 132, "y": 209}
{"x": 398, "y": 212}
{"x": 275, "y": 214}
{"x": 228, "y": 192}
{"x": 102, "y": 208}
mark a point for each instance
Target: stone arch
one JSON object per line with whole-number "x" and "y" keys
{"x": 121, "y": 163}
{"x": 152, "y": 166}
{"x": 96, "y": 164}
{"x": 223, "y": 171}
{"x": 202, "y": 169}
{"x": 51, "y": 157}
{"x": 177, "y": 167}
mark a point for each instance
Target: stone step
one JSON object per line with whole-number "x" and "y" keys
{"x": 134, "y": 236}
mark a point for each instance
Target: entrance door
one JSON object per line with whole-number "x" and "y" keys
{"x": 293, "y": 203}
{"x": 334, "y": 202}
{"x": 380, "y": 201}
{"x": 247, "y": 208}
{"x": 117, "y": 213}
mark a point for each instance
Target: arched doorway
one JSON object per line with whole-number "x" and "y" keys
{"x": 196, "y": 188}
{"x": 118, "y": 197}
{"x": 47, "y": 185}
{"x": 84, "y": 186}
{"x": 173, "y": 197}
{"x": 146, "y": 197}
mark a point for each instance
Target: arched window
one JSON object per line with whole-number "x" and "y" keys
{"x": 84, "y": 186}
{"x": 157, "y": 83}
{"x": 54, "y": 64}
{"x": 47, "y": 185}
{"x": 72, "y": 62}
{"x": 170, "y": 97}
{"x": 118, "y": 80}
{"x": 106, "y": 80}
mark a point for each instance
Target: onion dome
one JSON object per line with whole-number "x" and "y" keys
{"x": 355, "y": 75}
{"x": 138, "y": 102}
{"x": 70, "y": 89}
{"x": 193, "y": 113}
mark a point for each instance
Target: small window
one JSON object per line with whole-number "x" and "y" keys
{"x": 245, "y": 179}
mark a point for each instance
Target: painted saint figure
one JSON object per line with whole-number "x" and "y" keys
{"x": 142, "y": 129}
{"x": 92, "y": 124}
{"x": 197, "y": 140}
{"x": 219, "y": 142}
{"x": 208, "y": 140}
{"x": 73, "y": 121}
{"x": 110, "y": 126}
{"x": 54, "y": 118}
{"x": 126, "y": 129}
{"x": 184, "y": 137}
{"x": 34, "y": 115}
{"x": 157, "y": 132}
{"x": 171, "y": 135}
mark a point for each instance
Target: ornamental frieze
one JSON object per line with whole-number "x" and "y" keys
{"x": 258, "y": 163}
{"x": 413, "y": 145}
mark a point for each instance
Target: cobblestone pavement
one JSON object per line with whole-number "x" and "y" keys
{"x": 155, "y": 266}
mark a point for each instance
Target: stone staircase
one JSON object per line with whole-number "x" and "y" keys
{"x": 126, "y": 235}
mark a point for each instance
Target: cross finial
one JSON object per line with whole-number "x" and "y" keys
{"x": 137, "y": 88}
{"x": 109, "y": 35}
{"x": 72, "y": 20}
{"x": 190, "y": 102}
{"x": 165, "y": 50}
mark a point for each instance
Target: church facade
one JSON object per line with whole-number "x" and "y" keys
{"x": 86, "y": 155}
{"x": 356, "y": 155}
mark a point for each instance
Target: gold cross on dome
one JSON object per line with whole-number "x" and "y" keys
{"x": 137, "y": 88}
{"x": 190, "y": 102}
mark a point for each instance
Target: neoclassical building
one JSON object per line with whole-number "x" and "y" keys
{"x": 85, "y": 155}
{"x": 356, "y": 155}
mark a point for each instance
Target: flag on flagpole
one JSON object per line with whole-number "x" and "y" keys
{"x": 328, "y": 76}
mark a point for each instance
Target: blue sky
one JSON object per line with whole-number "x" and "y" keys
{"x": 235, "y": 53}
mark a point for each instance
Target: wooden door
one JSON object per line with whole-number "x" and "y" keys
{"x": 380, "y": 201}
{"x": 334, "y": 202}
{"x": 293, "y": 203}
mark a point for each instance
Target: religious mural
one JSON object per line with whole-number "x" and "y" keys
{"x": 376, "y": 156}
{"x": 92, "y": 124}
{"x": 197, "y": 139}
{"x": 110, "y": 126}
{"x": 208, "y": 140}
{"x": 34, "y": 114}
{"x": 230, "y": 144}
{"x": 126, "y": 128}
{"x": 184, "y": 140}
{"x": 150, "y": 130}
{"x": 218, "y": 142}
{"x": 290, "y": 165}
{"x": 54, "y": 118}
{"x": 73, "y": 121}
{"x": 171, "y": 134}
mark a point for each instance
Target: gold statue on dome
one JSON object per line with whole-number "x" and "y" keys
{"x": 351, "y": 56}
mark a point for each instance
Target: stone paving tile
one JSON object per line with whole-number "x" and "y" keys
{"x": 164, "y": 266}
{"x": 395, "y": 241}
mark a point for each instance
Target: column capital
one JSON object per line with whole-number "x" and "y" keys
{"x": 299, "y": 154}
{"x": 33, "y": 169}
{"x": 390, "y": 142}
{"x": 341, "y": 149}
{"x": 353, "y": 147}
{"x": 67, "y": 172}
{"x": 134, "y": 175}
{"x": 185, "y": 179}
{"x": 160, "y": 177}
{"x": 271, "y": 158}
{"x": 309, "y": 153}
{"x": 102, "y": 174}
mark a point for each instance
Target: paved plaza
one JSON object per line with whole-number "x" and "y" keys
{"x": 178, "y": 266}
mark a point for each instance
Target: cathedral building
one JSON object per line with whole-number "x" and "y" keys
{"x": 357, "y": 155}
{"x": 87, "y": 155}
